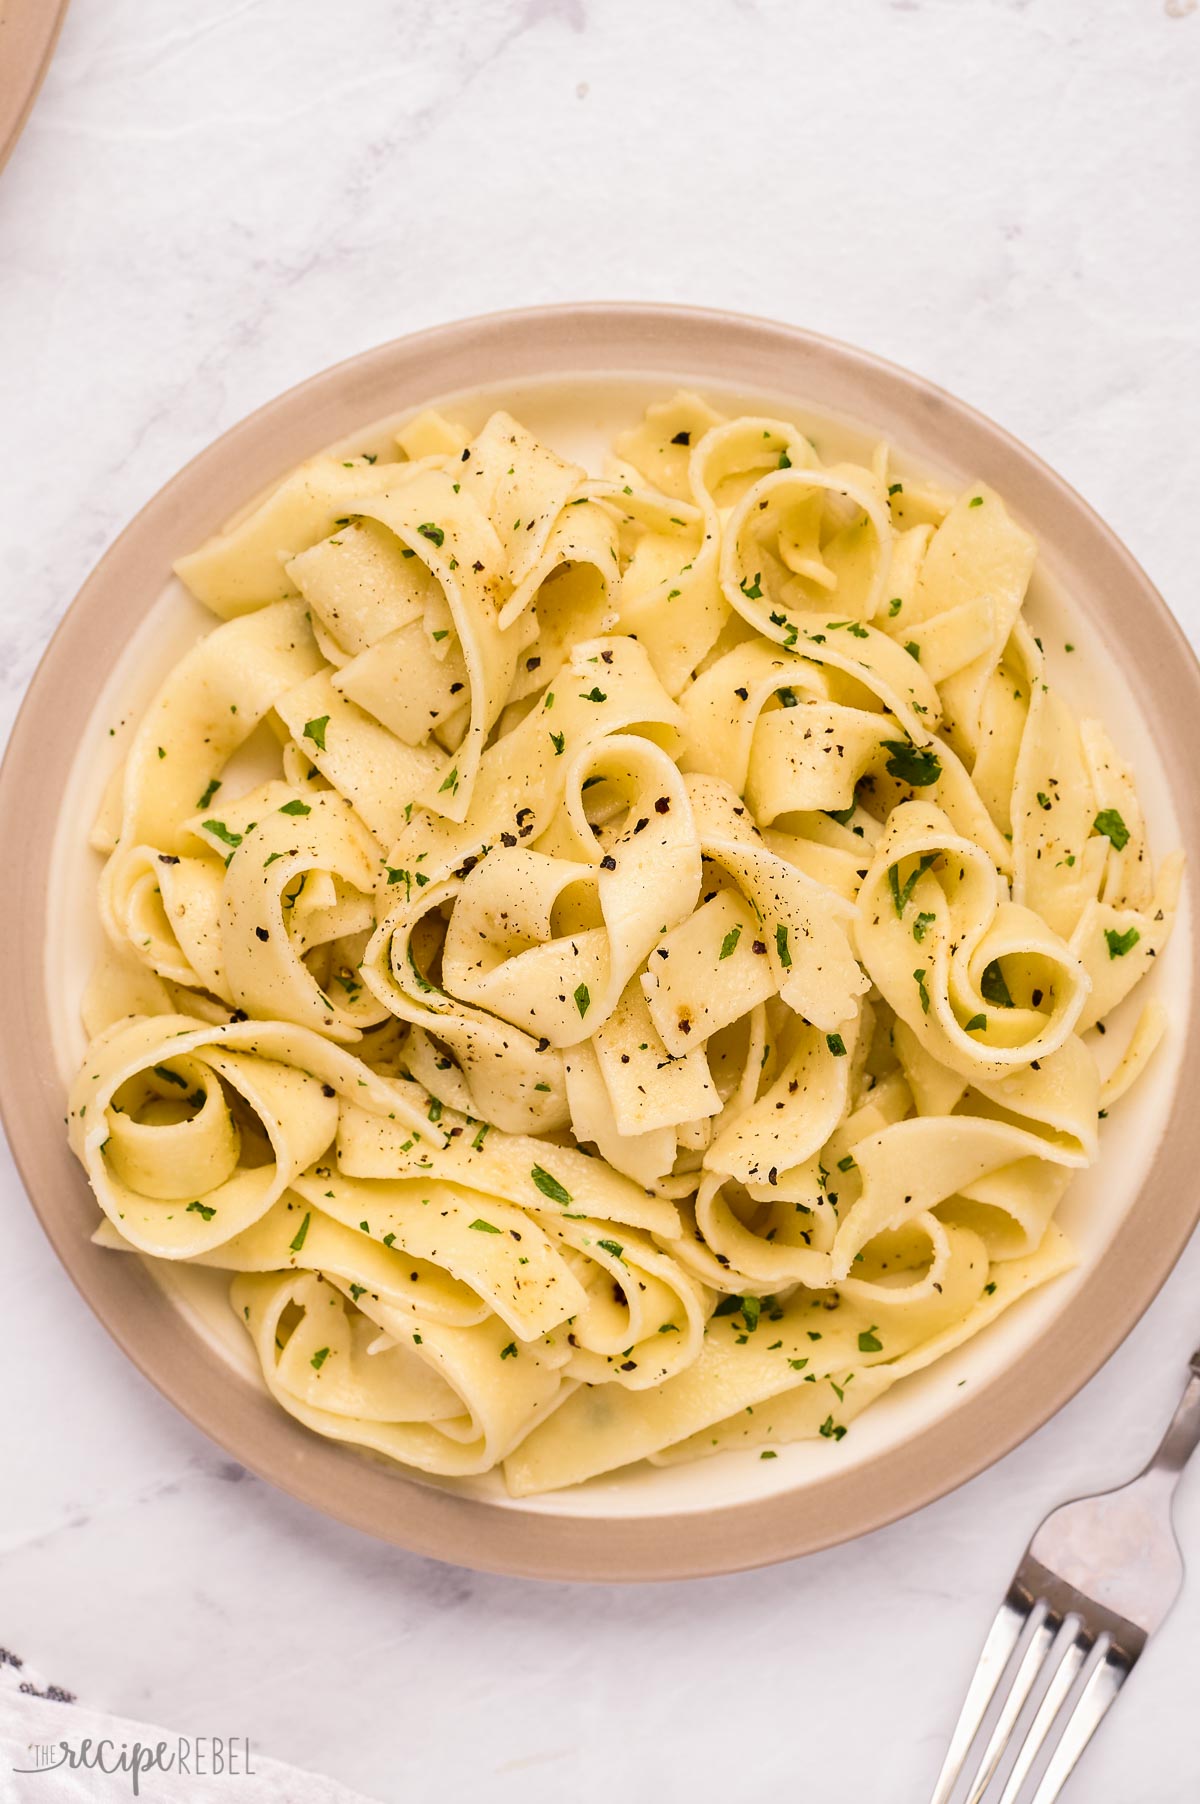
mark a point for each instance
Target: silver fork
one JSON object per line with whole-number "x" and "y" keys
{"x": 1097, "y": 1579}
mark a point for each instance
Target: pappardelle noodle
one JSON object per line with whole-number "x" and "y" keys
{"x": 608, "y": 964}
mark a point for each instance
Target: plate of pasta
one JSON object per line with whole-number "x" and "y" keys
{"x": 605, "y": 890}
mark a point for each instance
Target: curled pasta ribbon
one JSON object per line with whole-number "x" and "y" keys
{"x": 439, "y": 650}
{"x": 769, "y": 1143}
{"x": 244, "y": 567}
{"x": 511, "y": 1078}
{"x": 773, "y": 554}
{"x": 569, "y": 594}
{"x": 492, "y": 1249}
{"x": 822, "y": 757}
{"x": 766, "y": 1208}
{"x": 982, "y": 983}
{"x": 390, "y": 1273}
{"x": 443, "y": 525}
{"x": 642, "y": 1318}
{"x": 297, "y": 907}
{"x": 1058, "y": 862}
{"x": 757, "y": 1245}
{"x": 273, "y": 918}
{"x": 659, "y": 448}
{"x": 361, "y": 1374}
{"x": 829, "y": 1395}
{"x": 190, "y": 1132}
{"x": 432, "y": 1250}
{"x": 725, "y": 704}
{"x": 911, "y": 1167}
{"x": 633, "y": 1097}
{"x": 522, "y": 967}
{"x": 520, "y": 942}
{"x": 203, "y": 713}
{"x": 798, "y": 924}
{"x": 753, "y": 1355}
{"x": 523, "y": 487}
{"x": 608, "y": 686}
{"x": 670, "y": 594}
{"x": 166, "y": 909}
{"x": 967, "y": 599}
{"x": 536, "y": 1175}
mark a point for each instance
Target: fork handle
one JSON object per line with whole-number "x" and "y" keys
{"x": 1183, "y": 1433}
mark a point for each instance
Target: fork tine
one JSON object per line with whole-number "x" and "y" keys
{"x": 1032, "y": 1661}
{"x": 1103, "y": 1684}
{"x": 1002, "y": 1638}
{"x": 1062, "y": 1679}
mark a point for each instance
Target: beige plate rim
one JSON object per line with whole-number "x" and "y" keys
{"x": 28, "y": 33}
{"x": 382, "y": 1500}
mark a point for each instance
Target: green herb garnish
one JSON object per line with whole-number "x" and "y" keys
{"x": 908, "y": 765}
{"x": 1109, "y": 823}
{"x": 1120, "y": 943}
{"x": 549, "y": 1185}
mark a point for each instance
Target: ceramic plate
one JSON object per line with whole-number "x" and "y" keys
{"x": 28, "y": 33}
{"x": 574, "y": 374}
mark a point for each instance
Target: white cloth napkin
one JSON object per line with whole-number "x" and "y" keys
{"x": 35, "y": 1716}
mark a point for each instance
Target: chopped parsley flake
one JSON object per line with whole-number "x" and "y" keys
{"x": 993, "y": 988}
{"x": 1120, "y": 943}
{"x": 902, "y": 893}
{"x": 908, "y": 765}
{"x": 549, "y": 1185}
{"x": 1109, "y": 823}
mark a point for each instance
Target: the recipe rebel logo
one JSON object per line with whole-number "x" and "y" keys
{"x": 190, "y": 1756}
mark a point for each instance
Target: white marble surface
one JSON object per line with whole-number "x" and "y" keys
{"x": 211, "y": 202}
